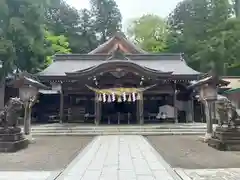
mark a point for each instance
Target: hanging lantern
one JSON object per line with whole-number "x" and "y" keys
{"x": 133, "y": 97}
{"x": 109, "y": 98}
{"x": 124, "y": 97}
{"x": 104, "y": 97}
{"x": 113, "y": 97}
{"x": 129, "y": 98}
{"x": 119, "y": 99}
{"x": 138, "y": 96}
{"x": 100, "y": 97}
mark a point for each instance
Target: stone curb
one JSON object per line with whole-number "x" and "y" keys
{"x": 76, "y": 159}
{"x": 167, "y": 166}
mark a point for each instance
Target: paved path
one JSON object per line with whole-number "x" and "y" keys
{"x": 31, "y": 175}
{"x": 122, "y": 158}
{"x": 118, "y": 158}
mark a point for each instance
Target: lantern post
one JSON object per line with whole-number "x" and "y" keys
{"x": 208, "y": 90}
{"x": 28, "y": 89}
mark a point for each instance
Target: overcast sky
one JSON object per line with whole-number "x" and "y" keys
{"x": 135, "y": 8}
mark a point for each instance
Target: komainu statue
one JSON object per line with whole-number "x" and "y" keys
{"x": 9, "y": 115}
{"x": 228, "y": 114}
{"x": 11, "y": 138}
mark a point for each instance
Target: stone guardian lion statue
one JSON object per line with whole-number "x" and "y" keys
{"x": 9, "y": 115}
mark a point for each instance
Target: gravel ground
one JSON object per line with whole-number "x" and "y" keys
{"x": 190, "y": 153}
{"x": 46, "y": 154}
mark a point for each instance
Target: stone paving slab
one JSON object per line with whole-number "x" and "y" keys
{"x": 118, "y": 158}
{"x": 31, "y": 175}
{"x": 209, "y": 174}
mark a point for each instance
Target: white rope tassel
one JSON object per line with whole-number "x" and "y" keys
{"x": 124, "y": 97}
{"x": 113, "y": 97}
{"x": 104, "y": 97}
{"x": 100, "y": 97}
{"x": 133, "y": 97}
{"x": 119, "y": 99}
{"x": 109, "y": 98}
{"x": 129, "y": 98}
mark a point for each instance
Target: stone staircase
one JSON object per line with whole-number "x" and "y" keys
{"x": 80, "y": 129}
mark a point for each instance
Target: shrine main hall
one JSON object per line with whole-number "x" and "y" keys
{"x": 118, "y": 83}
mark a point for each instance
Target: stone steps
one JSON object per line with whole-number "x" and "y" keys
{"x": 114, "y": 133}
{"x": 117, "y": 131}
{"x": 78, "y": 129}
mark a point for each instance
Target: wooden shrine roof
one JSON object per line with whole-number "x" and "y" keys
{"x": 119, "y": 39}
{"x": 70, "y": 63}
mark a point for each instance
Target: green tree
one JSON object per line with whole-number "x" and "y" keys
{"x": 107, "y": 18}
{"x": 192, "y": 24}
{"x": 58, "y": 45}
{"x": 76, "y": 26}
{"x": 22, "y": 35}
{"x": 223, "y": 48}
{"x": 86, "y": 32}
{"x": 150, "y": 32}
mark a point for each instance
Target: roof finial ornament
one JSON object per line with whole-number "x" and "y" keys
{"x": 117, "y": 53}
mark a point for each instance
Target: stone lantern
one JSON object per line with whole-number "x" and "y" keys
{"x": 208, "y": 90}
{"x": 28, "y": 89}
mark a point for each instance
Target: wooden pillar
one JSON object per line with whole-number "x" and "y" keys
{"x": 140, "y": 109}
{"x": 190, "y": 109}
{"x": 137, "y": 112}
{"x": 100, "y": 112}
{"x": 174, "y": 102}
{"x": 97, "y": 109}
{"x": 61, "y": 113}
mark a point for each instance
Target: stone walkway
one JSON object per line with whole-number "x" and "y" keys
{"x": 122, "y": 158}
{"x": 118, "y": 158}
{"x": 32, "y": 175}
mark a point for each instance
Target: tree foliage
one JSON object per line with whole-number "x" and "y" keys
{"x": 150, "y": 32}
{"x": 22, "y": 34}
{"x": 58, "y": 45}
{"x": 199, "y": 28}
{"x": 107, "y": 18}
{"x": 204, "y": 30}
{"x": 31, "y": 31}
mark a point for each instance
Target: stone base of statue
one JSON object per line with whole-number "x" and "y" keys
{"x": 225, "y": 139}
{"x": 12, "y": 140}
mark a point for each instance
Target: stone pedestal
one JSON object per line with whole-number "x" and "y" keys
{"x": 12, "y": 140}
{"x": 225, "y": 139}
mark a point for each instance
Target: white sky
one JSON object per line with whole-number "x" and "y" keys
{"x": 135, "y": 8}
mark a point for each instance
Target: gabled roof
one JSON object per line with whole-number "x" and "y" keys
{"x": 118, "y": 40}
{"x": 25, "y": 78}
{"x": 119, "y": 49}
{"x": 68, "y": 63}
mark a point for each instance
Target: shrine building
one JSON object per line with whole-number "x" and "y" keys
{"x": 118, "y": 83}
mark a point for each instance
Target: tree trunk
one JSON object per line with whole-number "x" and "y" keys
{"x": 237, "y": 8}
